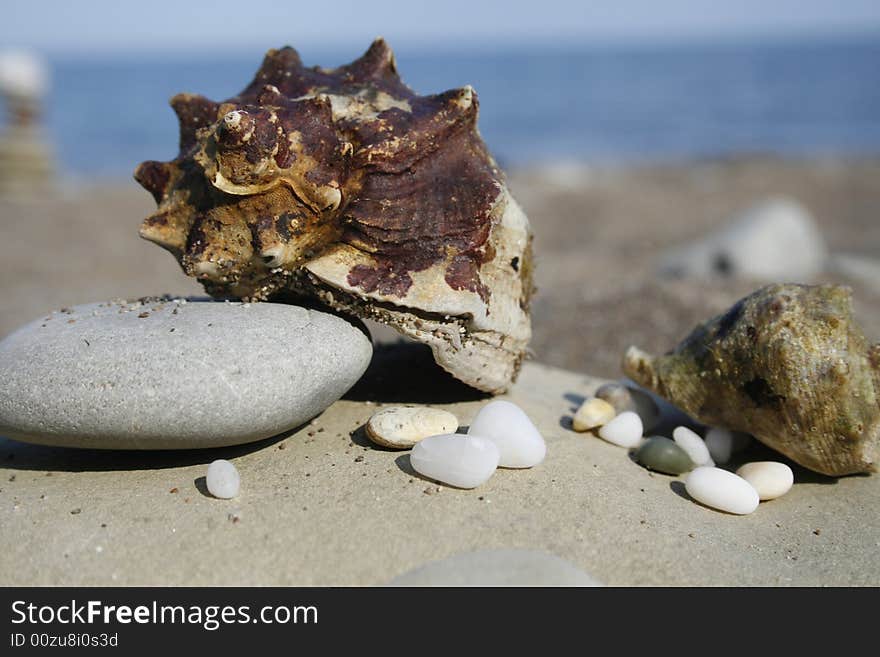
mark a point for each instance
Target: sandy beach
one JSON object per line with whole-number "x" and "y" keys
{"x": 311, "y": 514}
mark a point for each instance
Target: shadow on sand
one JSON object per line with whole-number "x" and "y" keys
{"x": 405, "y": 372}
{"x": 16, "y": 455}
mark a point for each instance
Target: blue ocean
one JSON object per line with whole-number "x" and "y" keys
{"x": 593, "y": 104}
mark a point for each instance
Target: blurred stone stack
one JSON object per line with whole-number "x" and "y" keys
{"x": 26, "y": 159}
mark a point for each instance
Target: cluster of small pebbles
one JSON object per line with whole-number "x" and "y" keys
{"x": 501, "y": 435}
{"x": 622, "y": 415}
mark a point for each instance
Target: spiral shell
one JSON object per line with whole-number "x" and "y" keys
{"x": 787, "y": 364}
{"x": 346, "y": 186}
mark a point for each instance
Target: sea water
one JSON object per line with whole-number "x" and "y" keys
{"x": 577, "y": 103}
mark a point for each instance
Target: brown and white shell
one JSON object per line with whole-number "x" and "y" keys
{"x": 346, "y": 186}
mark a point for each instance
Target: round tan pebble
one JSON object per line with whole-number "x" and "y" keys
{"x": 401, "y": 427}
{"x": 770, "y": 478}
{"x": 594, "y": 412}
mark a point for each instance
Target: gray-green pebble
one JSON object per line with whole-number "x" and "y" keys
{"x": 663, "y": 455}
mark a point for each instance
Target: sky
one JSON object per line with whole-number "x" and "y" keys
{"x": 235, "y": 25}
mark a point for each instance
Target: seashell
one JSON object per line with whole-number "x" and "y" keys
{"x": 787, "y": 364}
{"x": 344, "y": 186}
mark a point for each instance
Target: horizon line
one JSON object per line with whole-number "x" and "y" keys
{"x": 479, "y": 44}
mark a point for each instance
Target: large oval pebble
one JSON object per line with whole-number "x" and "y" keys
{"x": 691, "y": 443}
{"x": 624, "y": 430}
{"x": 456, "y": 459}
{"x": 663, "y": 455}
{"x": 401, "y": 427}
{"x": 770, "y": 478}
{"x": 164, "y": 374}
{"x": 721, "y": 490}
{"x": 519, "y": 442}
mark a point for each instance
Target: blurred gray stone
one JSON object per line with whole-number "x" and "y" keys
{"x": 776, "y": 240}
{"x": 859, "y": 268}
{"x": 160, "y": 374}
{"x": 504, "y": 567}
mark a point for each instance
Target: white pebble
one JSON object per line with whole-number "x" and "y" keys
{"x": 519, "y": 442}
{"x": 721, "y": 490}
{"x": 770, "y": 478}
{"x": 455, "y": 459}
{"x": 720, "y": 444}
{"x": 401, "y": 427}
{"x": 223, "y": 480}
{"x": 594, "y": 412}
{"x": 691, "y": 443}
{"x": 625, "y": 430}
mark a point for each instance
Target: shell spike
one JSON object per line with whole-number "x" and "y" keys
{"x": 154, "y": 176}
{"x": 639, "y": 366}
{"x": 455, "y": 107}
{"x": 158, "y": 229}
{"x": 193, "y": 112}
{"x": 377, "y": 62}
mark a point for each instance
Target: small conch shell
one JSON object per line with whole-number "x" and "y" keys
{"x": 787, "y": 364}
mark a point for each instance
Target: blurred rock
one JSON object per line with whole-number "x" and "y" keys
{"x": 860, "y": 268}
{"x": 502, "y": 567}
{"x": 26, "y": 159}
{"x": 776, "y": 240}
{"x": 23, "y": 75}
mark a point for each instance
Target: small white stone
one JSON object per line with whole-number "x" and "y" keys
{"x": 594, "y": 412}
{"x": 401, "y": 427}
{"x": 223, "y": 480}
{"x": 625, "y": 430}
{"x": 519, "y": 442}
{"x": 770, "y": 478}
{"x": 721, "y": 490}
{"x": 720, "y": 444}
{"x": 456, "y": 459}
{"x": 691, "y": 443}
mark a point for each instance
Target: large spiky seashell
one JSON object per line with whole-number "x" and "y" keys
{"x": 787, "y": 364}
{"x": 346, "y": 186}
